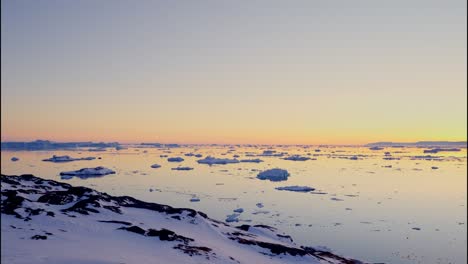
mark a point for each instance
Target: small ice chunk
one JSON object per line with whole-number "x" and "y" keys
{"x": 175, "y": 159}
{"x": 155, "y": 166}
{"x": 274, "y": 175}
{"x": 434, "y": 167}
{"x": 259, "y": 205}
{"x": 14, "y": 159}
{"x": 195, "y": 199}
{"x": 296, "y": 188}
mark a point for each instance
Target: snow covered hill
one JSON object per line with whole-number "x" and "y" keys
{"x": 45, "y": 221}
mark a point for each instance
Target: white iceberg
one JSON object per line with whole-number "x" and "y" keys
{"x": 211, "y": 160}
{"x": 296, "y": 188}
{"x": 274, "y": 175}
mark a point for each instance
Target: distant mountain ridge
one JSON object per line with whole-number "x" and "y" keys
{"x": 426, "y": 144}
{"x": 51, "y": 145}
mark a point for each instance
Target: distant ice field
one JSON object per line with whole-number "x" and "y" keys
{"x": 392, "y": 205}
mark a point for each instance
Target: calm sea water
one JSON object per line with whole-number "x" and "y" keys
{"x": 406, "y": 213}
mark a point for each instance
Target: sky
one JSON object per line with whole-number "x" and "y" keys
{"x": 269, "y": 72}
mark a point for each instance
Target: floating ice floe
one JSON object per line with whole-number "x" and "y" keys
{"x": 274, "y": 175}
{"x": 296, "y": 188}
{"x": 66, "y": 158}
{"x": 14, "y": 159}
{"x": 87, "y": 172}
{"x": 211, "y": 160}
{"x": 175, "y": 159}
{"x": 182, "y": 168}
{"x": 252, "y": 160}
{"x": 434, "y": 167}
{"x": 155, "y": 166}
{"x": 296, "y": 158}
{"x": 194, "y": 199}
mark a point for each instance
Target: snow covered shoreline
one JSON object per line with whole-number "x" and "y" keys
{"x": 45, "y": 221}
